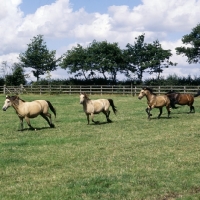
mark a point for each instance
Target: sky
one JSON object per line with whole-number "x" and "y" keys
{"x": 66, "y": 23}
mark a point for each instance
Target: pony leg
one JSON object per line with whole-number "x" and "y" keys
{"x": 28, "y": 122}
{"x": 21, "y": 123}
{"x": 148, "y": 112}
{"x": 92, "y": 117}
{"x": 50, "y": 124}
{"x": 192, "y": 108}
{"x": 88, "y": 118}
{"x": 107, "y": 114}
{"x": 46, "y": 118}
{"x": 168, "y": 110}
{"x": 160, "y": 113}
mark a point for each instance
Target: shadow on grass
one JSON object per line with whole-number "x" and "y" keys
{"x": 156, "y": 118}
{"x": 100, "y": 123}
{"x": 35, "y": 129}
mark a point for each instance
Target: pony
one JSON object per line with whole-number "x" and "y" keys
{"x": 92, "y": 107}
{"x": 181, "y": 99}
{"x": 154, "y": 101}
{"x": 26, "y": 110}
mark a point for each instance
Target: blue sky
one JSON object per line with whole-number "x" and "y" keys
{"x": 89, "y": 5}
{"x": 65, "y": 23}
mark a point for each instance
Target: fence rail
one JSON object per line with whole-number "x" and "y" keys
{"x": 92, "y": 89}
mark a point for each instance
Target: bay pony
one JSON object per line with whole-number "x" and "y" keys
{"x": 154, "y": 101}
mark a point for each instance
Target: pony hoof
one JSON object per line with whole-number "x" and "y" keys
{"x": 52, "y": 126}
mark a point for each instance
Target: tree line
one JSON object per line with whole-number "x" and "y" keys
{"x": 101, "y": 60}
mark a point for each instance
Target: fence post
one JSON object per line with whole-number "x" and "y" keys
{"x": 184, "y": 88}
{"x": 90, "y": 89}
{"x": 50, "y": 89}
{"x": 4, "y": 89}
{"x": 131, "y": 89}
{"x": 40, "y": 90}
{"x": 21, "y": 88}
{"x": 135, "y": 91}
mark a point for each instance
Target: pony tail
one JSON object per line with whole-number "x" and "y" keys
{"x": 52, "y": 108}
{"x": 197, "y": 94}
{"x": 112, "y": 105}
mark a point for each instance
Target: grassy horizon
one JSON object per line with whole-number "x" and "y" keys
{"x": 131, "y": 158}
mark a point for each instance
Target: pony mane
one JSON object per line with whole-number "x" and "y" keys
{"x": 172, "y": 92}
{"x": 85, "y": 95}
{"x": 149, "y": 89}
{"x": 14, "y": 98}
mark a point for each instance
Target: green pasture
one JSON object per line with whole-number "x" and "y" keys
{"x": 129, "y": 159}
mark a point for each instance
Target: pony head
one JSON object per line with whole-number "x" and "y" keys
{"x": 83, "y": 97}
{"x": 10, "y": 100}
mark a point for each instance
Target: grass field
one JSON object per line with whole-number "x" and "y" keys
{"x": 131, "y": 158}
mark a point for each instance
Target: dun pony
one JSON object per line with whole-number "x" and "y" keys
{"x": 26, "y": 110}
{"x": 154, "y": 101}
{"x": 92, "y": 107}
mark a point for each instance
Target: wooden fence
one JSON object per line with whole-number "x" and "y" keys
{"x": 92, "y": 89}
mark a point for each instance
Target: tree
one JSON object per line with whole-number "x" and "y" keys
{"x": 142, "y": 57}
{"x": 193, "y": 51}
{"x": 98, "y": 58}
{"x": 76, "y": 61}
{"x": 38, "y": 57}
{"x": 17, "y": 77}
{"x": 159, "y": 58}
{"x": 106, "y": 59}
{"x": 137, "y": 57}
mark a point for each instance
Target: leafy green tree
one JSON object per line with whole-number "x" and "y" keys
{"x": 17, "y": 77}
{"x": 193, "y": 50}
{"x": 38, "y": 57}
{"x": 137, "y": 57}
{"x": 98, "y": 58}
{"x": 106, "y": 58}
{"x": 159, "y": 58}
{"x": 76, "y": 61}
{"x": 142, "y": 57}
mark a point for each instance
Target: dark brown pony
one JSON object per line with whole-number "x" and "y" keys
{"x": 154, "y": 101}
{"x": 181, "y": 99}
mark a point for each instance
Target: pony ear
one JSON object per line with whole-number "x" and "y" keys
{"x": 7, "y": 96}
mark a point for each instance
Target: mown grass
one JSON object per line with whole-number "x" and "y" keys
{"x": 131, "y": 158}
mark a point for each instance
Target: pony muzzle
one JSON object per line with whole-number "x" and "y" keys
{"x": 4, "y": 108}
{"x": 139, "y": 98}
